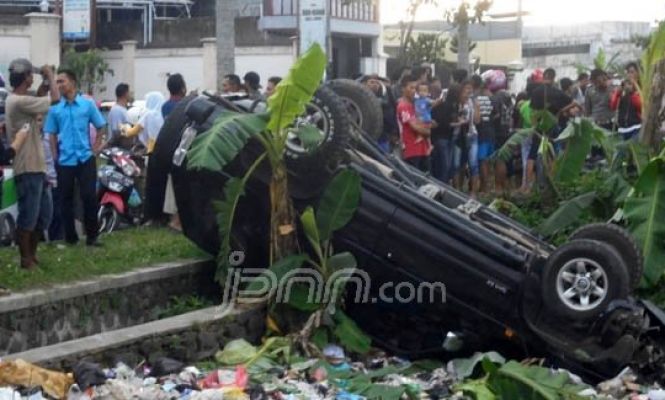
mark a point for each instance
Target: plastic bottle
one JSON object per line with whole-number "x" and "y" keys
{"x": 186, "y": 141}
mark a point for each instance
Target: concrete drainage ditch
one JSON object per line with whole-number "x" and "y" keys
{"x": 124, "y": 318}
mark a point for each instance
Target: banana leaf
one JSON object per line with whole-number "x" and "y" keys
{"x": 222, "y": 143}
{"x": 466, "y": 367}
{"x": 350, "y": 335}
{"x": 310, "y": 137}
{"x": 234, "y": 189}
{"x": 505, "y": 153}
{"x": 516, "y": 381}
{"x": 296, "y": 89}
{"x": 544, "y": 121}
{"x": 311, "y": 230}
{"x": 278, "y": 270}
{"x": 476, "y": 389}
{"x": 645, "y": 213}
{"x": 338, "y": 204}
{"x": 641, "y": 156}
{"x": 568, "y": 165}
{"x": 567, "y": 214}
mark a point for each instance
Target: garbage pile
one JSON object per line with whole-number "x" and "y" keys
{"x": 275, "y": 372}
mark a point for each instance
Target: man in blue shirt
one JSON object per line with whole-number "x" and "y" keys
{"x": 68, "y": 123}
{"x": 177, "y": 90}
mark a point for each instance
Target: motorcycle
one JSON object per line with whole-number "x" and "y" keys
{"x": 118, "y": 197}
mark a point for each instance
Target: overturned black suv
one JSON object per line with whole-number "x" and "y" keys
{"x": 504, "y": 285}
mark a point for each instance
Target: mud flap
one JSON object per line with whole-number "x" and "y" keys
{"x": 115, "y": 200}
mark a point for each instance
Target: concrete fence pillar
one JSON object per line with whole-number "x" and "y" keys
{"x": 44, "y": 39}
{"x": 209, "y": 63}
{"x": 128, "y": 63}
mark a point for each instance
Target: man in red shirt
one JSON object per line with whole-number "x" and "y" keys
{"x": 415, "y": 135}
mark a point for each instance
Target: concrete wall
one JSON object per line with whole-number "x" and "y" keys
{"x": 47, "y": 317}
{"x": 36, "y": 37}
{"x": 491, "y": 52}
{"x": 147, "y": 69}
{"x": 266, "y": 61}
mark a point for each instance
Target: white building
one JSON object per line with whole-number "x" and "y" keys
{"x": 565, "y": 47}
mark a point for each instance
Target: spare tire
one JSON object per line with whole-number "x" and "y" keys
{"x": 582, "y": 277}
{"x": 363, "y": 106}
{"x": 310, "y": 168}
{"x": 623, "y": 243}
{"x": 161, "y": 159}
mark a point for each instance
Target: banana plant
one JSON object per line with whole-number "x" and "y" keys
{"x": 644, "y": 210}
{"x": 231, "y": 132}
{"x": 335, "y": 209}
{"x": 652, "y": 57}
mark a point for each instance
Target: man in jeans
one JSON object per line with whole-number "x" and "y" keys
{"x": 597, "y": 105}
{"x": 68, "y": 124}
{"x": 34, "y": 200}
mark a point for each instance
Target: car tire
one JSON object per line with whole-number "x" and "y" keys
{"x": 161, "y": 159}
{"x": 363, "y": 106}
{"x": 623, "y": 243}
{"x": 316, "y": 165}
{"x": 583, "y": 269}
{"x": 7, "y": 229}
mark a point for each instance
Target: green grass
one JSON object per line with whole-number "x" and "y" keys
{"x": 123, "y": 251}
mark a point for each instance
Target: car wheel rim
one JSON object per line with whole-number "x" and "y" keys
{"x": 314, "y": 116}
{"x": 354, "y": 111}
{"x": 582, "y": 284}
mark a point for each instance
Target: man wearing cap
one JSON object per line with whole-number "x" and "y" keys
{"x": 34, "y": 199}
{"x": 253, "y": 85}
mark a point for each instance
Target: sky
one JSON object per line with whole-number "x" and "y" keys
{"x": 546, "y": 12}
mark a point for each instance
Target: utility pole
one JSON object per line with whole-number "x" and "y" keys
{"x": 226, "y": 11}
{"x": 93, "y": 24}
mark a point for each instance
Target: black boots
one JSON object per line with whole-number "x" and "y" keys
{"x": 25, "y": 248}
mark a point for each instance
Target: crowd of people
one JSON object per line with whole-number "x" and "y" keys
{"x": 454, "y": 133}
{"x": 52, "y": 137}
{"x": 54, "y": 134}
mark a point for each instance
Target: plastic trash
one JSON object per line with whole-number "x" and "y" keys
{"x": 122, "y": 371}
{"x": 185, "y": 142}
{"x": 166, "y": 366}
{"x": 75, "y": 393}
{"x": 348, "y": 396}
{"x": 656, "y": 394}
{"x": 87, "y": 374}
{"x": 150, "y": 381}
{"x": 226, "y": 378}
{"x": 334, "y": 354}
{"x": 9, "y": 394}
{"x": 168, "y": 386}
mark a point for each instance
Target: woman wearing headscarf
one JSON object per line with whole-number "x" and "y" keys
{"x": 150, "y": 123}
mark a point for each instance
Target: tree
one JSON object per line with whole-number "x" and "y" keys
{"x": 426, "y": 47}
{"x": 653, "y": 89}
{"x": 406, "y": 27}
{"x": 90, "y": 68}
{"x": 611, "y": 66}
{"x": 461, "y": 17}
{"x": 454, "y": 45}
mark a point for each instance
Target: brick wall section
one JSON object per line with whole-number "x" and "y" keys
{"x": 46, "y": 317}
